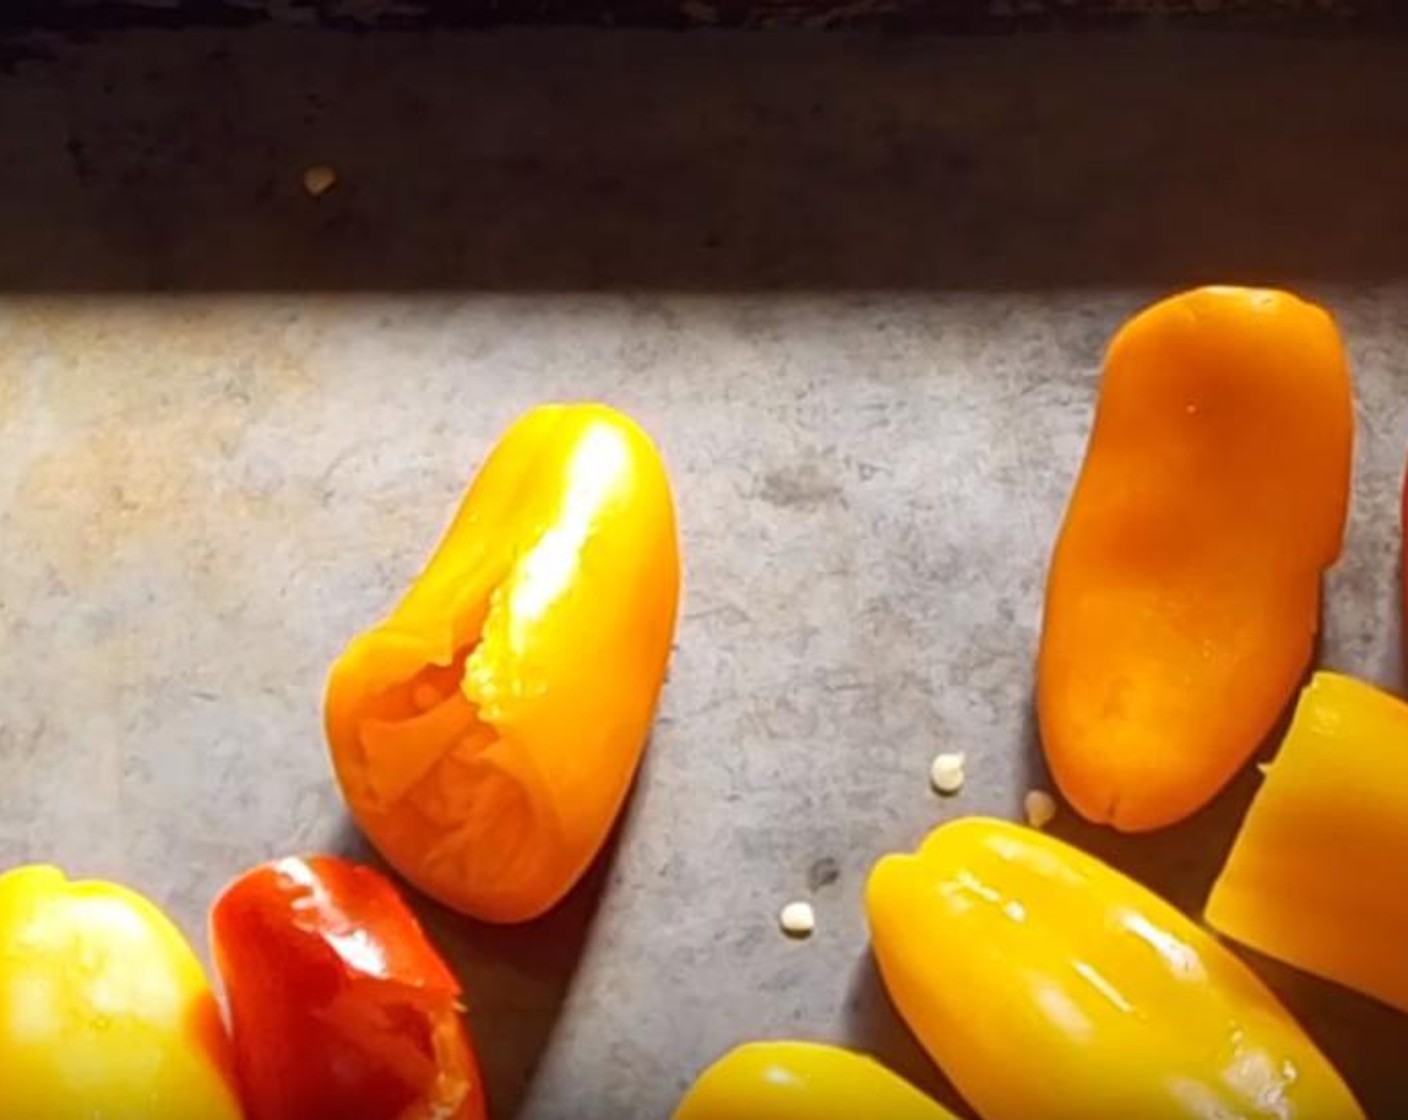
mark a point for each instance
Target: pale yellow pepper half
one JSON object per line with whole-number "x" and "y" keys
{"x": 1318, "y": 875}
{"x": 803, "y": 1081}
{"x": 105, "y": 1013}
{"x": 1049, "y": 986}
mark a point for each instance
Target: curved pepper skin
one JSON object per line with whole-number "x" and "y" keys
{"x": 339, "y": 1004}
{"x": 802, "y": 1081}
{"x": 1184, "y": 590}
{"x": 485, "y": 734}
{"x": 1049, "y": 986}
{"x": 104, "y": 1009}
{"x": 1318, "y": 874}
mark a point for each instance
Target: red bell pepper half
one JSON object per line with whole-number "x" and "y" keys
{"x": 339, "y": 1004}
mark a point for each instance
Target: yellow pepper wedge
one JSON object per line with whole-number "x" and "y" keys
{"x": 104, "y": 1009}
{"x": 486, "y": 733}
{"x": 1048, "y": 985}
{"x": 803, "y": 1081}
{"x": 1318, "y": 874}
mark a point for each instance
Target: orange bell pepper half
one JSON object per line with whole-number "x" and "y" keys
{"x": 1318, "y": 875}
{"x": 340, "y": 1005}
{"x": 1184, "y": 589}
{"x": 485, "y": 734}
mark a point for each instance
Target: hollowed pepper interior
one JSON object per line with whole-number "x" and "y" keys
{"x": 486, "y": 733}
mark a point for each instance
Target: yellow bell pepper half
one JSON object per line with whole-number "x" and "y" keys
{"x": 485, "y": 734}
{"x": 1048, "y": 986}
{"x": 1318, "y": 875}
{"x": 803, "y": 1081}
{"x": 105, "y": 1012}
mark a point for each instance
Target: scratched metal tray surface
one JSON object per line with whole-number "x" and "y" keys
{"x": 857, "y": 289}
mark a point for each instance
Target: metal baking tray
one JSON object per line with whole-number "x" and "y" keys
{"x": 857, "y": 287}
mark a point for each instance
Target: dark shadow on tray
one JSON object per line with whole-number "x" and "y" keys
{"x": 1364, "y": 1040}
{"x": 350, "y": 842}
{"x": 1179, "y": 862}
{"x": 590, "y": 161}
{"x": 895, "y": 16}
{"x": 515, "y": 977}
{"x": 874, "y": 1027}
{"x": 1400, "y": 613}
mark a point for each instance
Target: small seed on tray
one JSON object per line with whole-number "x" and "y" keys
{"x": 317, "y": 181}
{"x": 946, "y": 772}
{"x": 1040, "y": 808}
{"x": 797, "y": 919}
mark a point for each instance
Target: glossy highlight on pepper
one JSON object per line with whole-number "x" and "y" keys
{"x": 1318, "y": 874}
{"x": 803, "y": 1081}
{"x": 1184, "y": 589}
{"x": 486, "y": 733}
{"x": 1049, "y": 986}
{"x": 104, "y": 1008}
{"x": 339, "y": 1004}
